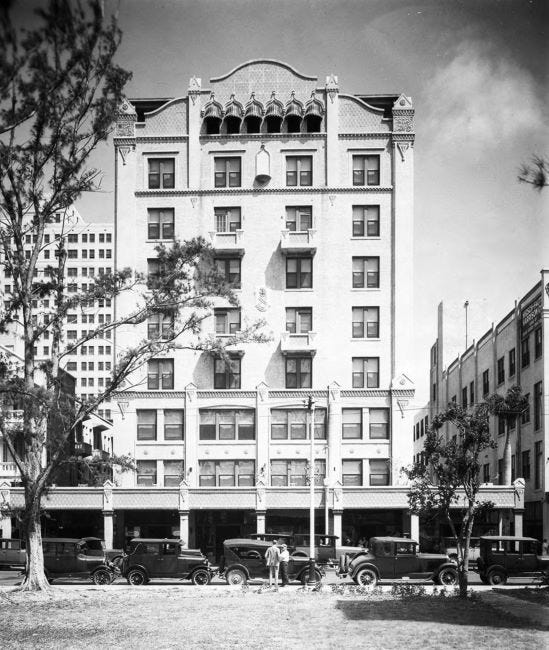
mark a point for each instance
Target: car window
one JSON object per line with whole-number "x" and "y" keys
{"x": 383, "y": 549}
{"x": 405, "y": 549}
{"x": 49, "y": 547}
{"x": 95, "y": 544}
{"x": 145, "y": 548}
{"x": 169, "y": 549}
{"x": 530, "y": 547}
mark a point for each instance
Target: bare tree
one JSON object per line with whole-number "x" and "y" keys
{"x": 535, "y": 173}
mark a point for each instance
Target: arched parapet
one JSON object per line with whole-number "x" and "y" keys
{"x": 356, "y": 116}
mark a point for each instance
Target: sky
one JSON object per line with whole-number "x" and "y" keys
{"x": 477, "y": 73}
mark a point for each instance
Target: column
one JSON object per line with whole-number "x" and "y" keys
{"x": 184, "y": 526}
{"x": 414, "y": 527}
{"x": 519, "y": 522}
{"x": 338, "y": 526}
{"x": 108, "y": 528}
{"x": 195, "y": 122}
{"x": 261, "y": 515}
{"x": 500, "y": 522}
{"x": 333, "y": 460}
{"x": 5, "y": 522}
{"x": 332, "y": 131}
{"x": 191, "y": 436}
{"x": 262, "y": 420}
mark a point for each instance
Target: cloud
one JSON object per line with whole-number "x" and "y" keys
{"x": 479, "y": 100}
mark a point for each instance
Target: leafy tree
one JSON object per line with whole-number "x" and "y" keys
{"x": 449, "y": 479}
{"x": 61, "y": 89}
{"x": 535, "y": 173}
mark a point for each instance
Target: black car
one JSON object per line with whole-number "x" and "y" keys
{"x": 502, "y": 556}
{"x": 395, "y": 558}
{"x": 164, "y": 558}
{"x": 77, "y": 558}
{"x": 326, "y": 549}
{"x": 244, "y": 559}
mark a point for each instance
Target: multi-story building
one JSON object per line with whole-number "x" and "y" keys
{"x": 511, "y": 352}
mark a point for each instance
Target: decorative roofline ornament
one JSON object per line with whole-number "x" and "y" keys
{"x": 332, "y": 87}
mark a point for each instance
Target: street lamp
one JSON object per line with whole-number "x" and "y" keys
{"x": 311, "y": 408}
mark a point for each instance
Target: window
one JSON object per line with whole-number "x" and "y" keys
{"x": 159, "y": 326}
{"x": 472, "y": 393}
{"x": 486, "y": 473}
{"x": 513, "y": 468}
{"x": 91, "y": 253}
{"x": 72, "y": 272}
{"x": 229, "y": 268}
{"x": 365, "y": 322}
{"x": 292, "y": 424}
{"x": 526, "y": 465}
{"x": 365, "y": 272}
{"x": 299, "y": 273}
{"x": 146, "y": 472}
{"x": 485, "y": 383}
{"x": 299, "y": 170}
{"x": 365, "y": 372}
{"x": 226, "y": 473}
{"x": 161, "y": 173}
{"x": 226, "y": 373}
{"x": 299, "y": 218}
{"x": 295, "y": 473}
{"x": 379, "y": 424}
{"x": 92, "y": 238}
{"x": 227, "y": 172}
{"x": 227, "y": 321}
{"x": 365, "y": 170}
{"x": 101, "y": 253}
{"x": 108, "y": 238}
{"x": 538, "y": 345}
{"x": 146, "y": 424}
{"x": 537, "y": 405}
{"x": 160, "y": 224}
{"x": 160, "y": 374}
{"x": 173, "y": 473}
{"x": 365, "y": 220}
{"x": 108, "y": 253}
{"x": 512, "y": 362}
{"x": 352, "y": 472}
{"x": 173, "y": 425}
{"x": 227, "y": 219}
{"x": 379, "y": 472}
{"x": 71, "y": 366}
{"x": 299, "y": 320}
{"x": 102, "y": 238}
{"x": 501, "y": 426}
{"x": 464, "y": 397}
{"x": 299, "y": 372}
{"x": 526, "y": 413}
{"x": 72, "y": 335}
{"x": 538, "y": 464}
{"x": 227, "y": 424}
{"x": 525, "y": 353}
{"x": 72, "y": 253}
{"x": 352, "y": 424}
{"x": 501, "y": 370}
{"x": 84, "y": 254}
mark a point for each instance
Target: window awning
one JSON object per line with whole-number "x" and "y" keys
{"x": 213, "y": 109}
{"x": 274, "y": 107}
{"x": 294, "y": 107}
{"x": 314, "y": 107}
{"x": 254, "y": 108}
{"x": 233, "y": 108}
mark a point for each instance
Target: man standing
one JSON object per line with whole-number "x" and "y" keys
{"x": 272, "y": 558}
{"x": 284, "y": 559}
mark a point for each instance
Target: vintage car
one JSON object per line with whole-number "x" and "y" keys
{"x": 449, "y": 545}
{"x": 76, "y": 558}
{"x": 396, "y": 558}
{"x": 244, "y": 559}
{"x": 164, "y": 558}
{"x": 12, "y": 554}
{"x": 326, "y": 549}
{"x": 504, "y": 556}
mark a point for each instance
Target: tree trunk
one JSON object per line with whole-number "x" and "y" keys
{"x": 506, "y": 456}
{"x": 463, "y": 554}
{"x": 35, "y": 579}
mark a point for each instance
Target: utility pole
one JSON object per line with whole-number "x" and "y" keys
{"x": 466, "y": 306}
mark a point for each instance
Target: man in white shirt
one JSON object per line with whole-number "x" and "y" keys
{"x": 284, "y": 560}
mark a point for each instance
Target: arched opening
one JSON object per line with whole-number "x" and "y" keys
{"x": 212, "y": 125}
{"x": 232, "y": 124}
{"x": 253, "y": 124}
{"x": 274, "y": 123}
{"x": 293, "y": 123}
{"x": 313, "y": 123}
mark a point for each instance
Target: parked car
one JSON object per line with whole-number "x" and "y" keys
{"x": 164, "y": 558}
{"x": 450, "y": 546}
{"x": 504, "y": 556}
{"x": 244, "y": 559}
{"x": 12, "y": 554}
{"x": 394, "y": 558}
{"x": 76, "y": 558}
{"x": 326, "y": 549}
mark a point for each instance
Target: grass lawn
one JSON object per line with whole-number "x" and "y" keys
{"x": 189, "y": 617}
{"x": 540, "y": 596}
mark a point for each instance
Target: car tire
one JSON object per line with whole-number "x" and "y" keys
{"x": 201, "y": 577}
{"x": 496, "y": 578}
{"x": 102, "y": 577}
{"x": 366, "y": 578}
{"x": 447, "y": 577}
{"x": 305, "y": 577}
{"x": 136, "y": 578}
{"x": 236, "y": 577}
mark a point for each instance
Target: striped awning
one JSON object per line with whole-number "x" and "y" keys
{"x": 274, "y": 107}
{"x": 294, "y": 107}
{"x": 213, "y": 108}
{"x": 253, "y": 107}
{"x": 233, "y": 108}
{"x": 314, "y": 106}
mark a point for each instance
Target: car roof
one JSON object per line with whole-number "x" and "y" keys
{"x": 155, "y": 540}
{"x": 508, "y": 538}
{"x": 63, "y": 540}
{"x": 237, "y": 541}
{"x": 392, "y": 539}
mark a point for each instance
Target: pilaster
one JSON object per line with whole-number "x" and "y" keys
{"x": 108, "y": 515}
{"x": 262, "y": 433}
{"x": 194, "y": 126}
{"x": 191, "y": 435}
{"x": 332, "y": 131}
{"x": 333, "y": 462}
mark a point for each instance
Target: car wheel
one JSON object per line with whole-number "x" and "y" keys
{"x": 447, "y": 577}
{"x": 201, "y": 577}
{"x": 497, "y": 577}
{"x": 366, "y": 578}
{"x": 305, "y": 577}
{"x": 136, "y": 577}
{"x": 102, "y": 577}
{"x": 236, "y": 577}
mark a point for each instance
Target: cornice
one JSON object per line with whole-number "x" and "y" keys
{"x": 123, "y": 141}
{"x": 364, "y": 393}
{"x": 162, "y": 138}
{"x": 262, "y": 136}
{"x": 373, "y": 134}
{"x": 265, "y": 190}
{"x": 234, "y": 394}
{"x": 403, "y": 137}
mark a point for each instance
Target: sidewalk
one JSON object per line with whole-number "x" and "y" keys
{"x": 532, "y": 612}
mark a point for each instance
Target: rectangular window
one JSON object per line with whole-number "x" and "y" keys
{"x": 146, "y": 424}
{"x": 365, "y": 372}
{"x": 365, "y": 322}
{"x": 365, "y": 272}
{"x": 72, "y": 272}
{"x": 365, "y": 220}
{"x": 173, "y": 473}
{"x": 229, "y": 269}
{"x": 226, "y": 374}
{"x": 538, "y": 464}
{"x": 294, "y": 473}
{"x": 379, "y": 424}
{"x": 161, "y": 173}
{"x": 501, "y": 426}
{"x": 160, "y": 374}
{"x": 526, "y": 413}
{"x": 525, "y": 352}
{"x": 292, "y": 424}
{"x": 71, "y": 366}
{"x": 227, "y": 424}
{"x": 160, "y": 223}
{"x": 485, "y": 383}
{"x": 226, "y": 473}
{"x": 299, "y": 218}
{"x": 513, "y": 468}
{"x": 352, "y": 424}
{"x": 227, "y": 219}
{"x": 486, "y": 473}
{"x": 160, "y": 326}
{"x": 472, "y": 393}
{"x": 299, "y": 372}
{"x": 526, "y": 465}
{"x": 299, "y": 320}
{"x": 501, "y": 370}
{"x": 512, "y": 362}
{"x": 72, "y": 254}
{"x": 227, "y": 172}
{"x": 464, "y": 397}
{"x": 379, "y": 471}
{"x": 146, "y": 472}
{"x": 538, "y": 345}
{"x": 365, "y": 170}
{"x": 299, "y": 170}
{"x": 227, "y": 321}
{"x": 299, "y": 272}
{"x": 173, "y": 424}
{"x": 500, "y": 471}
{"x": 538, "y": 406}
{"x": 352, "y": 472}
